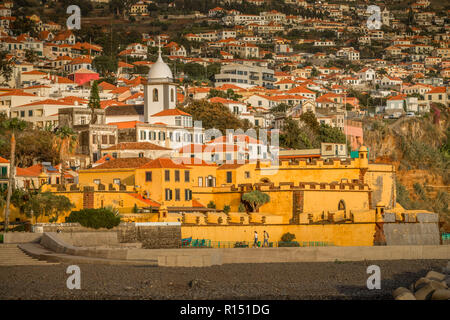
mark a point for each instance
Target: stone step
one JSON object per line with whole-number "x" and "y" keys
{"x": 12, "y": 255}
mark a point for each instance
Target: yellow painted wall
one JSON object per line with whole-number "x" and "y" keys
{"x": 329, "y": 200}
{"x": 339, "y": 235}
{"x": 106, "y": 176}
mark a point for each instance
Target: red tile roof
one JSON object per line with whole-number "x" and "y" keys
{"x": 171, "y": 112}
{"x": 163, "y": 163}
{"x": 149, "y": 202}
{"x": 125, "y": 124}
{"x": 123, "y": 163}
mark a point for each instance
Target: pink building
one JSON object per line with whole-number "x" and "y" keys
{"x": 354, "y": 132}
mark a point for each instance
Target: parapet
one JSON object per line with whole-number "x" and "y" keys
{"x": 89, "y": 188}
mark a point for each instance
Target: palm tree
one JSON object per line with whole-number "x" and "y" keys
{"x": 94, "y": 101}
{"x": 65, "y": 143}
{"x": 11, "y": 125}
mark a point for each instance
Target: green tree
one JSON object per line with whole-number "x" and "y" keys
{"x": 31, "y": 56}
{"x": 5, "y": 68}
{"x": 49, "y": 205}
{"x": 105, "y": 65}
{"x": 280, "y": 108}
{"x": 94, "y": 101}
{"x": 214, "y": 115}
{"x": 12, "y": 126}
{"x": 24, "y": 25}
{"x": 309, "y": 118}
{"x": 331, "y": 134}
{"x": 293, "y": 137}
{"x": 256, "y": 199}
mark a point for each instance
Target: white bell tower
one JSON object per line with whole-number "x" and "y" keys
{"x": 160, "y": 93}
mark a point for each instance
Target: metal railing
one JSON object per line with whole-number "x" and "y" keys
{"x": 206, "y": 243}
{"x": 445, "y": 238}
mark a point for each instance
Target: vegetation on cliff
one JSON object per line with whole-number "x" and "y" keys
{"x": 419, "y": 147}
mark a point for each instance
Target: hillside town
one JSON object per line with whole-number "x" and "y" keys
{"x": 289, "y": 148}
{"x": 300, "y": 83}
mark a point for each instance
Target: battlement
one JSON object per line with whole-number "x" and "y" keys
{"x": 328, "y": 163}
{"x": 89, "y": 188}
{"x": 355, "y": 185}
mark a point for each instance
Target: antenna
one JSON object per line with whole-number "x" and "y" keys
{"x": 159, "y": 46}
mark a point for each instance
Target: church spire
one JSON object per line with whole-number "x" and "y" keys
{"x": 159, "y": 48}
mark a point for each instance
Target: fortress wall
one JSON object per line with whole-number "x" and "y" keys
{"x": 339, "y": 234}
{"x": 382, "y": 183}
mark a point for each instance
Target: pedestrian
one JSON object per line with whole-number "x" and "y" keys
{"x": 266, "y": 238}
{"x": 255, "y": 244}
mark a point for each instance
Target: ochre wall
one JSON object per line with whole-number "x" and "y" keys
{"x": 329, "y": 200}
{"x": 106, "y": 176}
{"x": 338, "y": 234}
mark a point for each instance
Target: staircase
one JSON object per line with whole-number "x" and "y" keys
{"x": 11, "y": 255}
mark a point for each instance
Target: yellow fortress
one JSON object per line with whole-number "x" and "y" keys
{"x": 342, "y": 202}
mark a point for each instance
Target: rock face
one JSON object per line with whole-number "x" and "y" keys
{"x": 434, "y": 286}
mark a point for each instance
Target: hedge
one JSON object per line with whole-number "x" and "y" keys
{"x": 95, "y": 218}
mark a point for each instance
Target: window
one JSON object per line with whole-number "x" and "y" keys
{"x": 114, "y": 155}
{"x": 141, "y": 154}
{"x": 167, "y": 175}
{"x": 247, "y": 174}
{"x": 22, "y": 114}
{"x": 187, "y": 195}
{"x": 104, "y": 139}
{"x": 172, "y": 95}
{"x": 4, "y": 172}
{"x": 229, "y": 176}
{"x": 116, "y": 181}
{"x": 155, "y": 95}
{"x": 168, "y": 194}
{"x": 210, "y": 181}
{"x": 112, "y": 140}
{"x": 30, "y": 112}
{"x": 186, "y": 176}
{"x": 177, "y": 175}
{"x": 148, "y": 176}
{"x": 97, "y": 181}
{"x": 177, "y": 195}
{"x": 200, "y": 181}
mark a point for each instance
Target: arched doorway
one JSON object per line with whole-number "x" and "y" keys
{"x": 341, "y": 205}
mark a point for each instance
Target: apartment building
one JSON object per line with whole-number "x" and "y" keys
{"x": 245, "y": 76}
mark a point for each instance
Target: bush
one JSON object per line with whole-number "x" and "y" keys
{"x": 241, "y": 207}
{"x": 241, "y": 244}
{"x": 211, "y": 205}
{"x": 1, "y": 237}
{"x": 287, "y": 237}
{"x": 95, "y": 218}
{"x": 226, "y": 209}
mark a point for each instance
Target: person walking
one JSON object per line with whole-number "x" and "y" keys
{"x": 255, "y": 244}
{"x": 266, "y": 239}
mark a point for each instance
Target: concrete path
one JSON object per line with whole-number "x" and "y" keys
{"x": 39, "y": 252}
{"x": 12, "y": 255}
